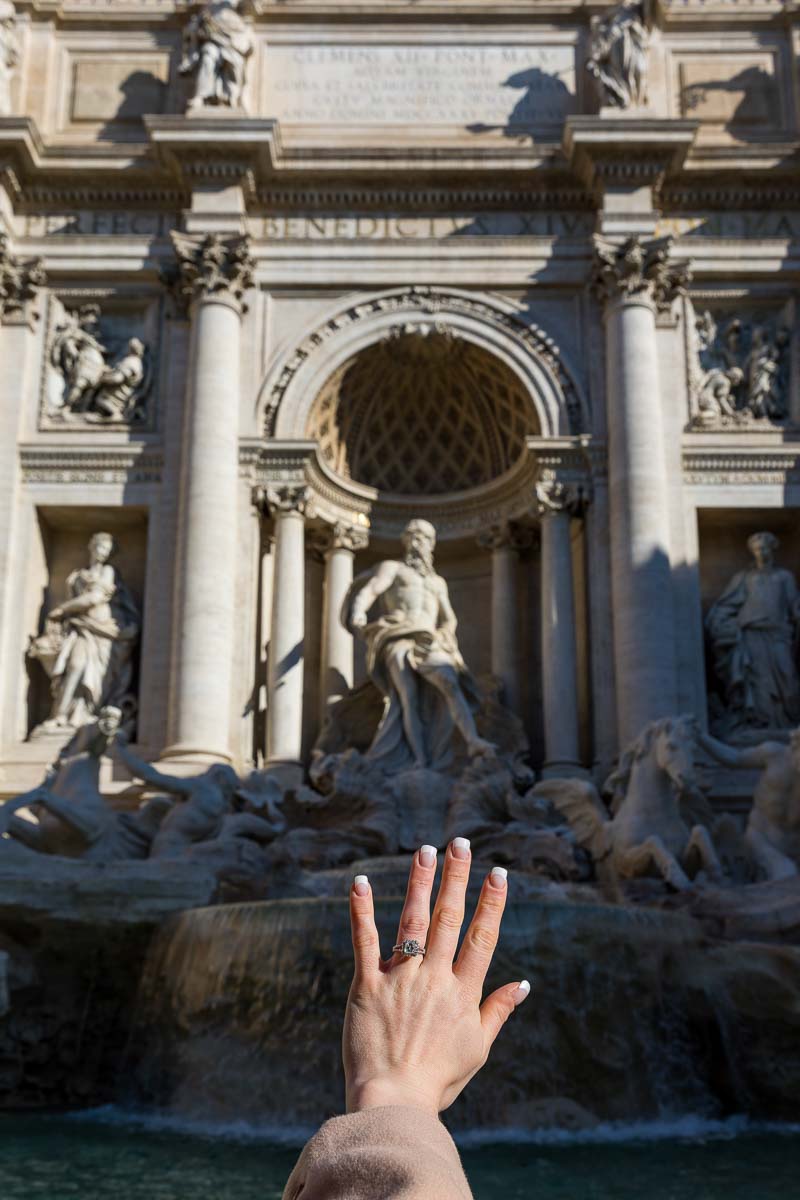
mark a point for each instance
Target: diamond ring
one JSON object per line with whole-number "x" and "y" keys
{"x": 410, "y": 948}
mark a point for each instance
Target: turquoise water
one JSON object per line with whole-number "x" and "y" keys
{"x": 112, "y": 1157}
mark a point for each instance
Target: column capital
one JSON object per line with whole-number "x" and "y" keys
{"x": 341, "y": 536}
{"x": 210, "y": 268}
{"x": 289, "y": 499}
{"x": 507, "y": 535}
{"x": 554, "y": 495}
{"x": 637, "y": 272}
{"x": 19, "y": 284}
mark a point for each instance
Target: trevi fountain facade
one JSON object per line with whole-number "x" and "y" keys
{"x": 399, "y": 438}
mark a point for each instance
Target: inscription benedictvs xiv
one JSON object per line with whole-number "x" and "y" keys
{"x": 487, "y": 88}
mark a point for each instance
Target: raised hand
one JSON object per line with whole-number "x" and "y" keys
{"x": 415, "y": 1029}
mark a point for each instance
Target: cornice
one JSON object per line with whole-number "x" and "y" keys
{"x": 61, "y": 463}
{"x": 726, "y": 465}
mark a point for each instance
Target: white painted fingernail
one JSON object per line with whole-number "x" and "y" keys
{"x": 498, "y": 876}
{"x": 361, "y": 885}
{"x": 461, "y": 847}
{"x": 427, "y": 856}
{"x": 521, "y": 992}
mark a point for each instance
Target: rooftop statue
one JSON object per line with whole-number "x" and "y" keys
{"x": 618, "y": 53}
{"x": 9, "y": 54}
{"x": 87, "y": 647}
{"x": 413, "y": 657}
{"x": 646, "y": 834}
{"x": 754, "y": 628}
{"x": 217, "y": 43}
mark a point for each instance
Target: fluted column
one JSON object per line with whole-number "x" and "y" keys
{"x": 341, "y": 541}
{"x": 286, "y": 655}
{"x": 213, "y": 274}
{"x": 634, "y": 281}
{"x": 505, "y": 542}
{"x": 557, "y": 503}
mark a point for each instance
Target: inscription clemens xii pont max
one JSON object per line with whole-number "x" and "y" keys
{"x": 490, "y": 86}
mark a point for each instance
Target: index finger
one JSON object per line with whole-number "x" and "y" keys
{"x": 366, "y": 944}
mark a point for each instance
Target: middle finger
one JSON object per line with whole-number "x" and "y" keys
{"x": 448, "y": 913}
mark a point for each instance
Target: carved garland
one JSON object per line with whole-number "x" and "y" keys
{"x": 431, "y": 300}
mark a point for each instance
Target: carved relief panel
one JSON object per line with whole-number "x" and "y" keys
{"x": 100, "y": 363}
{"x": 739, "y": 356}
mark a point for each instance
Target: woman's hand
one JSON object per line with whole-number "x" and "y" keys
{"x": 415, "y": 1030}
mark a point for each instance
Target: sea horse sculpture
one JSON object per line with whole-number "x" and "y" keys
{"x": 646, "y": 833}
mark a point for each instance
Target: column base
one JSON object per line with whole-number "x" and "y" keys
{"x": 289, "y": 772}
{"x": 185, "y": 758}
{"x": 565, "y": 770}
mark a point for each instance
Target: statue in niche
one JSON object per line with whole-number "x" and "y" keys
{"x": 93, "y": 387}
{"x": 754, "y": 628}
{"x": 618, "y": 55}
{"x": 739, "y": 372}
{"x": 772, "y": 837}
{"x": 217, "y": 43}
{"x": 88, "y": 643}
{"x": 9, "y": 54}
{"x": 413, "y": 657}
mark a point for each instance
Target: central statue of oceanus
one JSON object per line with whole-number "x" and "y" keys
{"x": 413, "y": 657}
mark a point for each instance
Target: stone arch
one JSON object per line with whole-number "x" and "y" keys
{"x": 492, "y": 323}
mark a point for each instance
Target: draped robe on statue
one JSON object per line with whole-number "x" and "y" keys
{"x": 423, "y": 650}
{"x": 753, "y": 629}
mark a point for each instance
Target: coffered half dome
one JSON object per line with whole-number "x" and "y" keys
{"x": 422, "y": 412}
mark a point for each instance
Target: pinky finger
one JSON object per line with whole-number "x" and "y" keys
{"x": 366, "y": 945}
{"x": 497, "y": 1008}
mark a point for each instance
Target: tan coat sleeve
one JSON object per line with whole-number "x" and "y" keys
{"x": 380, "y": 1154}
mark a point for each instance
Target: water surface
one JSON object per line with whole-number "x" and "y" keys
{"x": 111, "y": 1156}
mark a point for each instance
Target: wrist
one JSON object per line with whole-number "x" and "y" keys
{"x": 388, "y": 1092}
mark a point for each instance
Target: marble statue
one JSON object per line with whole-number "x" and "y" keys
{"x": 772, "y": 836}
{"x": 88, "y": 643}
{"x": 738, "y": 372}
{"x": 92, "y": 387}
{"x": 413, "y": 657}
{"x": 754, "y": 628}
{"x": 70, "y": 818}
{"x": 204, "y": 801}
{"x": 217, "y": 43}
{"x": 618, "y": 53}
{"x": 9, "y": 54}
{"x": 646, "y": 834}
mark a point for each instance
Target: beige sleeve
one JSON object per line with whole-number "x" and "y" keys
{"x": 380, "y": 1154}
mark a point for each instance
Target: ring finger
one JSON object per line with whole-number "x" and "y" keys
{"x": 416, "y": 915}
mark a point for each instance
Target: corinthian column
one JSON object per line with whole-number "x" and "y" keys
{"x": 634, "y": 281}
{"x": 19, "y": 285}
{"x": 286, "y": 655}
{"x": 505, "y": 542}
{"x": 557, "y": 504}
{"x": 341, "y": 542}
{"x": 213, "y": 275}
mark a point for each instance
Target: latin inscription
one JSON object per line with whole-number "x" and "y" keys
{"x": 404, "y": 227}
{"x": 487, "y": 87}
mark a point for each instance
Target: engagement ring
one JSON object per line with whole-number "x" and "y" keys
{"x": 410, "y": 948}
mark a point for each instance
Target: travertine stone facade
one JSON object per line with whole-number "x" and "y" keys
{"x": 275, "y": 279}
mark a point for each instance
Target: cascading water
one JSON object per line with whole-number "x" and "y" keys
{"x": 240, "y": 1012}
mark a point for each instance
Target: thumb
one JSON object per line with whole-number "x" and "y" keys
{"x": 497, "y": 1008}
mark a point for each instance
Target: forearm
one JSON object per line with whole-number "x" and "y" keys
{"x": 721, "y": 752}
{"x": 143, "y": 770}
{"x": 393, "y": 1153}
